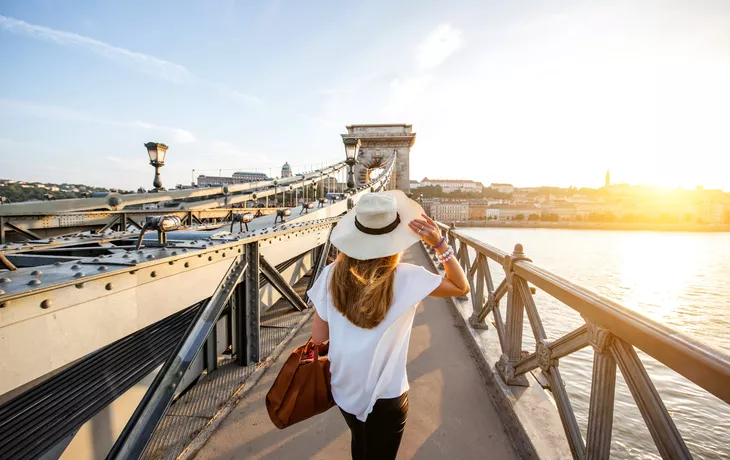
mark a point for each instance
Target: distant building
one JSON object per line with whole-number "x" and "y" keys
{"x": 608, "y": 178}
{"x": 245, "y": 176}
{"x": 503, "y": 188}
{"x": 492, "y": 213}
{"x": 450, "y": 211}
{"x": 238, "y": 178}
{"x": 453, "y": 185}
{"x": 477, "y": 210}
{"x": 331, "y": 183}
{"x": 509, "y": 211}
{"x": 414, "y": 184}
{"x": 286, "y": 170}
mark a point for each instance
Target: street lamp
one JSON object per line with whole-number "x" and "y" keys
{"x": 352, "y": 145}
{"x": 157, "y": 153}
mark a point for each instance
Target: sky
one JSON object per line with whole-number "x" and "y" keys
{"x": 530, "y": 92}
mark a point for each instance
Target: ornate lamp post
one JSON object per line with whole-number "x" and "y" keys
{"x": 352, "y": 146}
{"x": 157, "y": 153}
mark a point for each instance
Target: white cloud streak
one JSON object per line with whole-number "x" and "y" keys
{"x": 144, "y": 63}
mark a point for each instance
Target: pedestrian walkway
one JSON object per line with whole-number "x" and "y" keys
{"x": 450, "y": 415}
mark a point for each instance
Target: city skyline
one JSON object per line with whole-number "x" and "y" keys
{"x": 528, "y": 94}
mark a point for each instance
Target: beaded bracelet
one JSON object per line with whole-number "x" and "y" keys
{"x": 443, "y": 240}
{"x": 443, "y": 261}
{"x": 448, "y": 253}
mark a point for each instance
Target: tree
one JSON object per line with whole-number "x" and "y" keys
{"x": 520, "y": 217}
{"x": 533, "y": 217}
{"x": 431, "y": 191}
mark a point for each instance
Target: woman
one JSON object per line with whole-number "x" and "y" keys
{"x": 365, "y": 304}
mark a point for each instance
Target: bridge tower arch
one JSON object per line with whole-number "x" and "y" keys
{"x": 378, "y": 144}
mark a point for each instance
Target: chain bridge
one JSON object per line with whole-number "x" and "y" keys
{"x": 154, "y": 333}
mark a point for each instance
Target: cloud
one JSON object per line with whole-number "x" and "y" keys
{"x": 176, "y": 135}
{"x": 441, "y": 43}
{"x": 144, "y": 63}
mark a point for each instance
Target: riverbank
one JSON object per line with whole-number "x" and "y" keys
{"x": 686, "y": 227}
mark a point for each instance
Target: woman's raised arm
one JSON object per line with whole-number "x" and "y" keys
{"x": 455, "y": 282}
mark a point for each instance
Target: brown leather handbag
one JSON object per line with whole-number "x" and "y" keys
{"x": 302, "y": 388}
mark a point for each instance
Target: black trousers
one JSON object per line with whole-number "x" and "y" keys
{"x": 379, "y": 437}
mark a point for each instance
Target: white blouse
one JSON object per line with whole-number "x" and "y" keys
{"x": 370, "y": 364}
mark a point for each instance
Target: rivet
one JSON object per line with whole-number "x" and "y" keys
{"x": 125, "y": 256}
{"x": 150, "y": 256}
{"x": 140, "y": 252}
{"x": 109, "y": 286}
{"x": 75, "y": 267}
{"x": 171, "y": 262}
{"x": 78, "y": 275}
{"x": 103, "y": 268}
{"x": 34, "y": 282}
{"x": 36, "y": 273}
{"x": 210, "y": 258}
{"x": 96, "y": 260}
{"x": 80, "y": 285}
{"x": 5, "y": 280}
{"x": 200, "y": 255}
{"x": 224, "y": 254}
{"x": 185, "y": 250}
{"x": 134, "y": 261}
{"x": 174, "y": 253}
{"x": 187, "y": 264}
{"x": 46, "y": 303}
{"x": 57, "y": 264}
{"x": 153, "y": 274}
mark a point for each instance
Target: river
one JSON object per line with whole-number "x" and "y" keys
{"x": 679, "y": 279}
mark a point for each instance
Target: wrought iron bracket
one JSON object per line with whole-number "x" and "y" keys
{"x": 280, "y": 284}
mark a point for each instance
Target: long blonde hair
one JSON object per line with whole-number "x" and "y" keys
{"x": 362, "y": 290}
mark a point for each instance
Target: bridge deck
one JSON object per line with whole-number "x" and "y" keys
{"x": 450, "y": 416}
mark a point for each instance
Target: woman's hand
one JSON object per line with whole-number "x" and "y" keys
{"x": 426, "y": 229}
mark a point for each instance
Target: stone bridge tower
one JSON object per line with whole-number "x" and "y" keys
{"x": 378, "y": 143}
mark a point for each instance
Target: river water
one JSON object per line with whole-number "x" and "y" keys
{"x": 679, "y": 279}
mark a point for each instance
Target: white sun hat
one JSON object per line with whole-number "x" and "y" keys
{"x": 377, "y": 226}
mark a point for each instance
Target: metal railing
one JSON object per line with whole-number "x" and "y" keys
{"x": 613, "y": 331}
{"x": 231, "y": 194}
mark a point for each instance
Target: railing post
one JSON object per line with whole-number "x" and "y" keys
{"x": 247, "y": 310}
{"x": 515, "y": 315}
{"x": 603, "y": 387}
